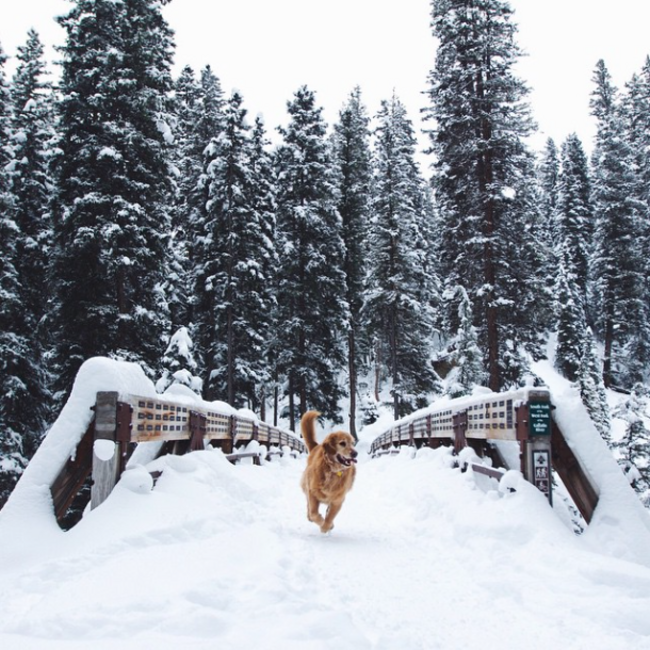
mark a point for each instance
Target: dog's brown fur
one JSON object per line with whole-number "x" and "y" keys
{"x": 330, "y": 471}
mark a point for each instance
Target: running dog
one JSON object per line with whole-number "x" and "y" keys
{"x": 330, "y": 471}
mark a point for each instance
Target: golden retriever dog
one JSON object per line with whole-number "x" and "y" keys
{"x": 330, "y": 471}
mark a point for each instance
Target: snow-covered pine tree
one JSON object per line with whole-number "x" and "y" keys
{"x": 548, "y": 173}
{"x": 616, "y": 266}
{"x": 354, "y": 161}
{"x": 184, "y": 164}
{"x": 32, "y": 133}
{"x": 592, "y": 388}
{"x": 569, "y": 319}
{"x": 238, "y": 243}
{"x": 467, "y": 370}
{"x": 199, "y": 153}
{"x": 574, "y": 215}
{"x": 636, "y": 114}
{"x": 31, "y": 183}
{"x": 179, "y": 365}
{"x": 399, "y": 295}
{"x": 482, "y": 179}
{"x": 312, "y": 314}
{"x": 13, "y": 346}
{"x": 633, "y": 449}
{"x": 266, "y": 254}
{"x": 112, "y": 219}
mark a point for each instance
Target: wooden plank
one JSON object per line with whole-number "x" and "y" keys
{"x": 575, "y": 479}
{"x": 74, "y": 474}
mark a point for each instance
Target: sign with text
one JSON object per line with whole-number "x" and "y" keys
{"x": 539, "y": 418}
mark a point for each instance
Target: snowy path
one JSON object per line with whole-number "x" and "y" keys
{"x": 223, "y": 557}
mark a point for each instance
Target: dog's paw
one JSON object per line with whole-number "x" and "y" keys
{"x": 326, "y": 528}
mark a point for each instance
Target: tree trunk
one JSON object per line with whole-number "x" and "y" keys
{"x": 352, "y": 366}
{"x": 292, "y": 420}
{"x": 607, "y": 353}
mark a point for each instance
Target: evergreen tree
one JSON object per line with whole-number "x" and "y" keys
{"x": 14, "y": 348}
{"x": 353, "y": 159}
{"x": 265, "y": 207}
{"x": 592, "y": 388}
{"x": 636, "y": 115}
{"x": 549, "y": 171}
{"x": 177, "y": 284}
{"x": 179, "y": 365}
{"x": 570, "y": 322}
{"x": 112, "y": 220}
{"x": 240, "y": 247}
{"x": 633, "y": 449}
{"x": 32, "y": 137}
{"x": 483, "y": 175}
{"x": 466, "y": 356}
{"x": 573, "y": 217}
{"x": 616, "y": 267}
{"x": 398, "y": 304}
{"x": 200, "y": 152}
{"x": 312, "y": 314}
{"x": 32, "y": 134}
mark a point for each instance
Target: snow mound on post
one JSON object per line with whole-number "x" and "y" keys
{"x": 29, "y": 512}
{"x": 621, "y": 525}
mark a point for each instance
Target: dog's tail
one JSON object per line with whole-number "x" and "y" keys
{"x": 308, "y": 427}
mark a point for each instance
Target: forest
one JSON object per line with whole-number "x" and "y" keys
{"x": 144, "y": 217}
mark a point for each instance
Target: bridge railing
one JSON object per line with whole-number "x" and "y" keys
{"x": 523, "y": 416}
{"x": 123, "y": 421}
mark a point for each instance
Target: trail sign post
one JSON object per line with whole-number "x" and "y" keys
{"x": 539, "y": 418}
{"x": 534, "y": 433}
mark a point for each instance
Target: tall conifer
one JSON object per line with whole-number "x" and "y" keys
{"x": 483, "y": 176}
{"x": 312, "y": 312}
{"x": 112, "y": 219}
{"x": 353, "y": 159}
{"x": 399, "y": 296}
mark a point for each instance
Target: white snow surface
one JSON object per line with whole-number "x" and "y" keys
{"x": 423, "y": 557}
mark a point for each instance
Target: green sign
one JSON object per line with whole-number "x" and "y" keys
{"x": 539, "y": 418}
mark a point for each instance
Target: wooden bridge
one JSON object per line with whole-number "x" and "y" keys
{"x": 121, "y": 422}
{"x": 523, "y": 416}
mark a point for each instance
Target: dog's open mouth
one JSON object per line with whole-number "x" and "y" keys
{"x": 346, "y": 462}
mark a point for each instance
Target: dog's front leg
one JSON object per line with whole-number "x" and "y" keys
{"x": 312, "y": 510}
{"x": 328, "y": 522}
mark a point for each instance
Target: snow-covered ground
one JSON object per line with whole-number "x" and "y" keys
{"x": 221, "y": 556}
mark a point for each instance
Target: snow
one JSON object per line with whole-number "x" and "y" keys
{"x": 423, "y": 556}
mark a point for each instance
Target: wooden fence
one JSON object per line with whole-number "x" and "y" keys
{"x": 123, "y": 421}
{"x": 523, "y": 416}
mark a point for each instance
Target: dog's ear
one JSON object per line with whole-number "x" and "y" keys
{"x": 329, "y": 445}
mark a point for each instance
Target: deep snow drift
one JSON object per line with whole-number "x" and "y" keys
{"x": 222, "y": 556}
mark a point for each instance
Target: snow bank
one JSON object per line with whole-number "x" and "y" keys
{"x": 29, "y": 512}
{"x": 621, "y": 525}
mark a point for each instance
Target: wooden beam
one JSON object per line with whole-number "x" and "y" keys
{"x": 573, "y": 476}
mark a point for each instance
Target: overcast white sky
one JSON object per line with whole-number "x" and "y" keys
{"x": 267, "y": 48}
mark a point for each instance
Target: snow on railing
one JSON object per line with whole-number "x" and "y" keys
{"x": 523, "y": 416}
{"x": 123, "y": 421}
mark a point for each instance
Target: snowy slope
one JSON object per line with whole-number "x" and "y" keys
{"x": 222, "y": 556}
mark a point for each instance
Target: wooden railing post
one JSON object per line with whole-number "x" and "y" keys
{"x": 106, "y": 466}
{"x": 534, "y": 435}
{"x": 197, "y": 428}
{"x": 460, "y": 430}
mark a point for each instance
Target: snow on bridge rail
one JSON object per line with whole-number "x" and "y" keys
{"x": 523, "y": 416}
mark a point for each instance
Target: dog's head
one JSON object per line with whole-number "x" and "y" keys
{"x": 339, "y": 447}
